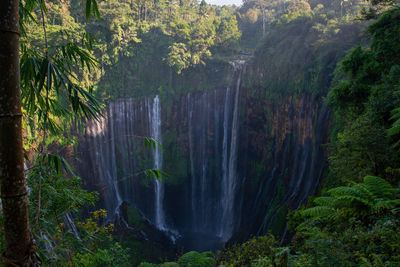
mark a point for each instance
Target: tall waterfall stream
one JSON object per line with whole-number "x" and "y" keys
{"x": 221, "y": 194}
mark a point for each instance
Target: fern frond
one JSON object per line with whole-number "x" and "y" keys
{"x": 356, "y": 191}
{"x": 318, "y": 211}
{"x": 325, "y": 201}
{"x": 383, "y": 205}
{"x": 379, "y": 187}
{"x": 350, "y": 201}
{"x": 388, "y": 204}
{"x": 364, "y": 192}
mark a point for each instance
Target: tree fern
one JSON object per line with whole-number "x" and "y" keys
{"x": 351, "y": 201}
{"x": 324, "y": 201}
{"x": 379, "y": 187}
{"x": 319, "y": 212}
{"x": 373, "y": 196}
{"x": 355, "y": 191}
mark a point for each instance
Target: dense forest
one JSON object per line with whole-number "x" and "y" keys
{"x": 178, "y": 133}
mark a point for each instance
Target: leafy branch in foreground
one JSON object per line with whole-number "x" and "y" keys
{"x": 46, "y": 77}
{"x": 56, "y": 75}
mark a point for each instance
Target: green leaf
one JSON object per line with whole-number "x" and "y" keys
{"x": 88, "y": 8}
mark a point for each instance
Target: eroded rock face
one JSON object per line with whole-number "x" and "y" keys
{"x": 236, "y": 161}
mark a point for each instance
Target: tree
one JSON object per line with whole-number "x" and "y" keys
{"x": 19, "y": 249}
{"x": 263, "y": 5}
{"x": 363, "y": 101}
{"x": 298, "y": 6}
{"x": 377, "y": 7}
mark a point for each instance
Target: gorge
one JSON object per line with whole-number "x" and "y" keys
{"x": 236, "y": 160}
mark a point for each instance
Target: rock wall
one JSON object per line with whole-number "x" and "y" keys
{"x": 237, "y": 161}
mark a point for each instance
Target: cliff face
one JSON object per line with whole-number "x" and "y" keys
{"x": 281, "y": 157}
{"x": 237, "y": 161}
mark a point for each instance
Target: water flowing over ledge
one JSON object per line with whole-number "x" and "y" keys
{"x": 236, "y": 162}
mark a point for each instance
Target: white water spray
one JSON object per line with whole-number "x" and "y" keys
{"x": 229, "y": 158}
{"x": 155, "y": 133}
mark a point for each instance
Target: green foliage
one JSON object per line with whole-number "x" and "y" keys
{"x": 179, "y": 57}
{"x": 373, "y": 197}
{"x": 246, "y": 253}
{"x": 53, "y": 59}
{"x": 134, "y": 218}
{"x": 361, "y": 68}
{"x": 277, "y": 213}
{"x": 394, "y": 130}
{"x": 60, "y": 194}
{"x": 44, "y": 78}
{"x": 149, "y": 251}
{"x": 165, "y": 264}
{"x": 141, "y": 42}
{"x": 376, "y": 8}
{"x": 303, "y": 48}
{"x": 367, "y": 68}
{"x": 146, "y": 264}
{"x": 278, "y": 223}
{"x": 356, "y": 224}
{"x": 353, "y": 244}
{"x": 156, "y": 173}
{"x": 364, "y": 100}
{"x": 149, "y": 42}
{"x": 53, "y": 196}
{"x": 261, "y": 252}
{"x": 362, "y": 148}
{"x": 281, "y": 257}
{"x": 189, "y": 259}
{"x": 113, "y": 256}
{"x": 151, "y": 143}
{"x": 227, "y": 35}
{"x": 196, "y": 259}
{"x": 92, "y": 8}
{"x": 140, "y": 45}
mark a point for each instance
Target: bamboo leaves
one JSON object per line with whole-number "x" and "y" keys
{"x": 151, "y": 143}
{"x": 57, "y": 73}
{"x": 91, "y": 8}
{"x": 156, "y": 173}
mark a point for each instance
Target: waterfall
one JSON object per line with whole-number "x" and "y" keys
{"x": 111, "y": 147}
{"x": 154, "y": 116}
{"x": 213, "y": 162}
{"x": 229, "y": 179}
{"x": 191, "y": 158}
{"x": 113, "y": 176}
{"x": 237, "y": 160}
{"x": 101, "y": 155}
{"x": 48, "y": 245}
{"x": 225, "y": 168}
{"x": 71, "y": 225}
{"x": 155, "y": 133}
